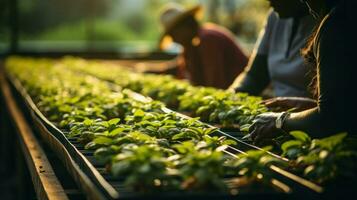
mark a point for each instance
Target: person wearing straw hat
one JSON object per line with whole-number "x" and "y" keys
{"x": 210, "y": 56}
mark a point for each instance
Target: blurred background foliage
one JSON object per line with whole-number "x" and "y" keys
{"x": 118, "y": 24}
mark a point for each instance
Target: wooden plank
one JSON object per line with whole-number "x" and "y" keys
{"x": 46, "y": 184}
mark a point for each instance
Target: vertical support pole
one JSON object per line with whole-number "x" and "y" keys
{"x": 13, "y": 24}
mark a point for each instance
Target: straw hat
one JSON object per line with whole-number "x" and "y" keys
{"x": 171, "y": 15}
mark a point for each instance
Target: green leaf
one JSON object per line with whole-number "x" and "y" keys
{"x": 331, "y": 142}
{"x": 308, "y": 159}
{"x": 202, "y": 110}
{"x": 140, "y": 136}
{"x": 103, "y": 140}
{"x": 87, "y": 122}
{"x": 301, "y": 136}
{"x": 113, "y": 121}
{"x": 222, "y": 115}
{"x": 144, "y": 168}
{"x": 292, "y": 153}
{"x": 119, "y": 168}
{"x": 267, "y": 148}
{"x": 309, "y": 170}
{"x": 116, "y": 131}
{"x": 192, "y": 120}
{"x": 139, "y": 113}
{"x": 170, "y": 121}
{"x": 213, "y": 116}
{"x": 104, "y": 154}
{"x": 245, "y": 127}
{"x": 229, "y": 142}
{"x": 179, "y": 136}
{"x": 289, "y": 144}
{"x": 208, "y": 131}
{"x": 90, "y": 145}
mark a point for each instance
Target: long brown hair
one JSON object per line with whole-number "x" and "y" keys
{"x": 310, "y": 61}
{"x": 308, "y": 52}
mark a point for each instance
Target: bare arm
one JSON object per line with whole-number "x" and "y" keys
{"x": 308, "y": 120}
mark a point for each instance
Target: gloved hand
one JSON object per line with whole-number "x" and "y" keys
{"x": 280, "y": 104}
{"x": 263, "y": 128}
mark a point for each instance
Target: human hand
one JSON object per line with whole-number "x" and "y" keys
{"x": 263, "y": 128}
{"x": 279, "y": 104}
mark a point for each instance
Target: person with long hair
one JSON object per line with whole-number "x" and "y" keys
{"x": 331, "y": 50}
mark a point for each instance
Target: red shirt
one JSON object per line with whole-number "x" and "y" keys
{"x": 216, "y": 61}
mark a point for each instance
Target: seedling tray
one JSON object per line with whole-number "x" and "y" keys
{"x": 96, "y": 183}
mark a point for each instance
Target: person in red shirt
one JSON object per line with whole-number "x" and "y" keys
{"x": 210, "y": 56}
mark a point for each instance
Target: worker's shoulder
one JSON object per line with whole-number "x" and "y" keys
{"x": 338, "y": 23}
{"x": 210, "y": 30}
